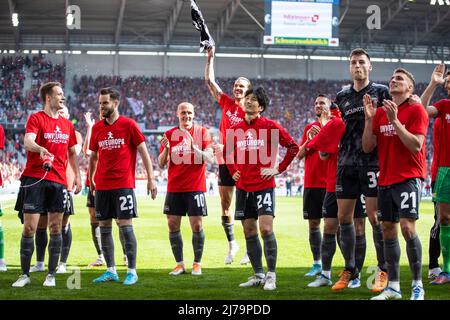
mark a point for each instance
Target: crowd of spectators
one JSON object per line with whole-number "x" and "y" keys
{"x": 152, "y": 102}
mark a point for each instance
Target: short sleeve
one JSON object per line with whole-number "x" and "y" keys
{"x": 418, "y": 121}
{"x": 135, "y": 133}
{"x": 32, "y": 125}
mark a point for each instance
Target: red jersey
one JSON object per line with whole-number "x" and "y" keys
{"x": 70, "y": 172}
{"x": 185, "y": 175}
{"x": 116, "y": 146}
{"x": 327, "y": 140}
{"x": 443, "y": 106}
{"x": 2, "y": 146}
{"x": 314, "y": 167}
{"x": 397, "y": 163}
{"x": 232, "y": 114}
{"x": 436, "y": 143}
{"x": 55, "y": 135}
{"x": 256, "y": 147}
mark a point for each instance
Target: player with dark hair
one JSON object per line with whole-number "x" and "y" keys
{"x": 357, "y": 171}
{"x": 90, "y": 204}
{"x": 252, "y": 148}
{"x": 49, "y": 139}
{"x": 186, "y": 149}
{"x": 232, "y": 113}
{"x": 114, "y": 143}
{"x": 326, "y": 143}
{"x": 399, "y": 130}
{"x": 315, "y": 182}
{"x": 441, "y": 192}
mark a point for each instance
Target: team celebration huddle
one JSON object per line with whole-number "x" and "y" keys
{"x": 364, "y": 158}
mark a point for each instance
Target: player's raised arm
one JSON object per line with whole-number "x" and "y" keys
{"x": 437, "y": 78}
{"x": 210, "y": 78}
{"x": 90, "y": 123}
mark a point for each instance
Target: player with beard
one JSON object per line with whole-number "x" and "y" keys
{"x": 315, "y": 182}
{"x": 114, "y": 144}
{"x": 232, "y": 113}
{"x": 90, "y": 204}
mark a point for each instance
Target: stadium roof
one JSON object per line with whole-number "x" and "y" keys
{"x": 410, "y": 29}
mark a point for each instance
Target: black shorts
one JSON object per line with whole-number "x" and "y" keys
{"x": 90, "y": 200}
{"x": 70, "y": 210}
{"x": 225, "y": 178}
{"x": 115, "y": 204}
{"x": 330, "y": 208}
{"x": 312, "y": 203}
{"x": 182, "y": 203}
{"x": 251, "y": 205}
{"x": 400, "y": 200}
{"x": 45, "y": 196}
{"x": 351, "y": 182}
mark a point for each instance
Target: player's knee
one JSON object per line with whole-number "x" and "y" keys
{"x": 173, "y": 226}
{"x": 330, "y": 229}
{"x": 250, "y": 232}
{"x": 389, "y": 230}
{"x": 29, "y": 230}
{"x": 314, "y": 224}
{"x": 345, "y": 219}
{"x": 225, "y": 202}
{"x": 266, "y": 231}
{"x": 55, "y": 227}
{"x": 373, "y": 218}
{"x": 197, "y": 227}
{"x": 444, "y": 220}
{"x": 360, "y": 226}
{"x": 408, "y": 231}
{"x": 444, "y": 213}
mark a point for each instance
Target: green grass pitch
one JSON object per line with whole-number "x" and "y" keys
{"x": 218, "y": 281}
